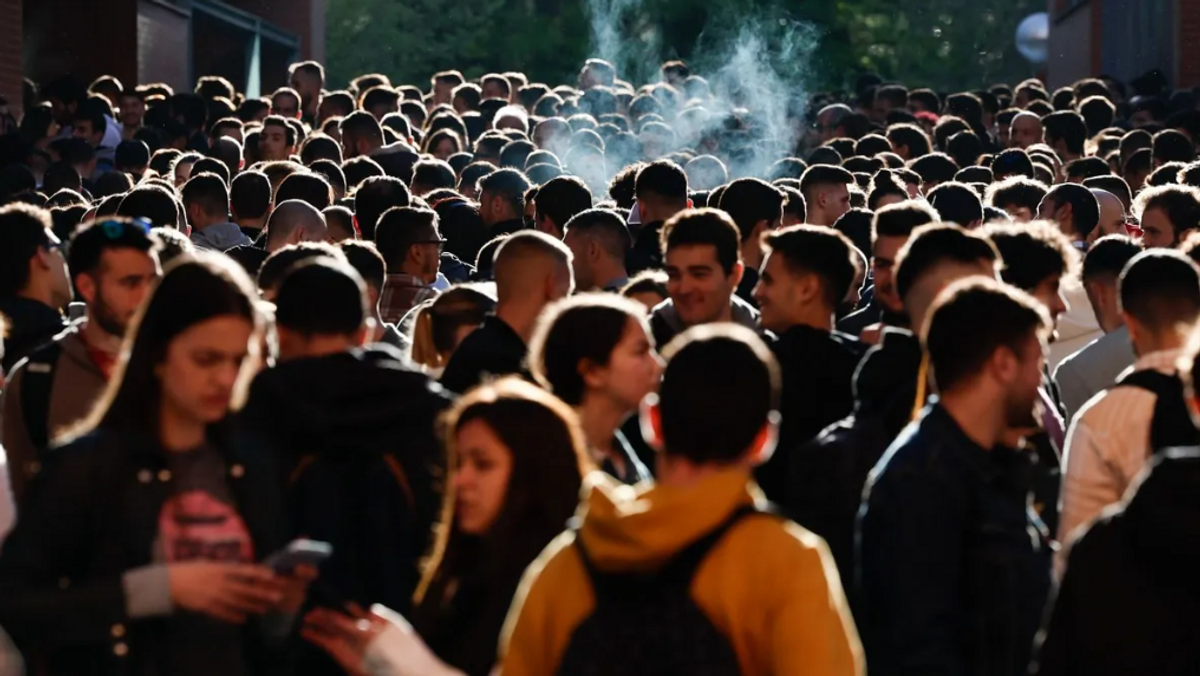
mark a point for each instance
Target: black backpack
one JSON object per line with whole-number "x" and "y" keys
{"x": 646, "y": 624}
{"x": 1171, "y": 425}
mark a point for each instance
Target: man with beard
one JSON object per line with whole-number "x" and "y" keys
{"x": 113, "y": 264}
{"x": 952, "y": 573}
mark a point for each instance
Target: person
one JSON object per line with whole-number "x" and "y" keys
{"x": 516, "y": 464}
{"x": 595, "y": 352}
{"x": 502, "y": 201}
{"x": 531, "y": 270}
{"x": 276, "y": 140}
{"x": 1074, "y": 208}
{"x": 366, "y": 260}
{"x": 756, "y": 207}
{"x": 702, "y": 252}
{"x": 374, "y": 196}
{"x": 557, "y": 202}
{"x": 1115, "y": 432}
{"x": 1167, "y": 214}
{"x": 206, "y": 201}
{"x": 167, "y": 579}
{"x": 34, "y": 282}
{"x": 826, "y": 192}
{"x": 661, "y": 192}
{"x": 250, "y": 202}
{"x": 805, "y": 275}
{"x": 599, "y": 242}
{"x": 1098, "y": 364}
{"x": 832, "y": 123}
{"x": 411, "y": 245}
{"x": 292, "y": 222}
{"x": 1077, "y": 212}
{"x": 359, "y": 455}
{"x": 891, "y": 228}
{"x": 1138, "y": 552}
{"x": 1027, "y": 130}
{"x": 443, "y": 323}
{"x": 1112, "y": 216}
{"x": 362, "y": 136}
{"x": 307, "y": 78}
{"x": 1018, "y": 196}
{"x": 113, "y": 265}
{"x": 934, "y": 597}
{"x": 1066, "y": 133}
{"x": 957, "y": 203}
{"x": 754, "y": 593}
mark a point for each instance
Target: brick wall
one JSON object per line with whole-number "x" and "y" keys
{"x": 11, "y": 46}
{"x": 162, "y": 46}
{"x": 80, "y": 37}
{"x": 1189, "y": 43}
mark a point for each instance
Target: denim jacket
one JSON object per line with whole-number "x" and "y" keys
{"x": 952, "y": 564}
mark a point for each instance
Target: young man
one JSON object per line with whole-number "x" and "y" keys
{"x": 756, "y": 207}
{"x": 1167, "y": 214}
{"x": 113, "y": 266}
{"x": 502, "y": 201}
{"x": 1027, "y": 130}
{"x": 826, "y": 192}
{"x": 557, "y": 202}
{"x": 359, "y": 451}
{"x": 1113, "y": 434}
{"x": 1077, "y": 212}
{"x": 277, "y": 140}
{"x": 1112, "y": 216}
{"x": 411, "y": 245}
{"x": 1096, "y": 367}
{"x": 133, "y": 110}
{"x": 285, "y": 103}
{"x": 307, "y": 78}
{"x": 661, "y": 191}
{"x": 374, "y": 196}
{"x": 34, "y": 284}
{"x": 1074, "y": 208}
{"x": 599, "y": 241}
{"x": 250, "y": 202}
{"x": 206, "y": 201}
{"x": 704, "y": 267}
{"x": 532, "y": 270}
{"x": 1018, "y": 196}
{"x": 1066, "y": 133}
{"x": 953, "y": 573}
{"x": 760, "y": 590}
{"x": 805, "y": 275}
{"x": 363, "y": 136}
{"x": 293, "y": 222}
{"x": 957, "y": 203}
{"x": 366, "y": 260}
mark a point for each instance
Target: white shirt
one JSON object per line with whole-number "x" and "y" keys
{"x": 1107, "y": 446}
{"x": 1076, "y": 327}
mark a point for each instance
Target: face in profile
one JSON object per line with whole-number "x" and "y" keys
{"x": 201, "y": 367}
{"x": 481, "y": 477}
{"x": 1023, "y": 403}
{"x": 633, "y": 369}
{"x": 699, "y": 287}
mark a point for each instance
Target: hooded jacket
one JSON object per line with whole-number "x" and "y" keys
{"x": 1129, "y": 602}
{"x": 665, "y": 323}
{"x": 768, "y": 585}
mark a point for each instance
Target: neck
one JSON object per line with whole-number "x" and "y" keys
{"x": 816, "y": 317}
{"x": 179, "y": 432}
{"x": 600, "y": 418}
{"x": 313, "y": 346}
{"x": 255, "y": 223}
{"x": 679, "y": 472}
{"x": 1148, "y": 343}
{"x": 1111, "y": 321}
{"x": 607, "y": 272}
{"x": 414, "y": 271}
{"x": 207, "y": 222}
{"x": 520, "y": 316}
{"x": 100, "y": 339}
{"x": 752, "y": 254}
{"x": 979, "y": 416}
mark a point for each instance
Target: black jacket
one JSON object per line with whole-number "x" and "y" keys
{"x": 646, "y": 253}
{"x": 354, "y": 436}
{"x": 493, "y": 349}
{"x": 91, "y": 515}
{"x": 817, "y": 367}
{"x": 30, "y": 325}
{"x": 508, "y": 227}
{"x": 854, "y": 323}
{"x": 953, "y": 568}
{"x": 1129, "y": 602}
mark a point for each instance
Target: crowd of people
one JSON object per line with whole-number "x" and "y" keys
{"x": 494, "y": 377}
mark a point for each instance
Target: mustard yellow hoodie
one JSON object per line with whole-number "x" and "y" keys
{"x": 768, "y": 585}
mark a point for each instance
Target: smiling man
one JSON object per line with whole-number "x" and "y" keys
{"x": 704, "y": 268}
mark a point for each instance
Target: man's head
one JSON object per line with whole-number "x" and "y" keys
{"x": 1026, "y": 130}
{"x": 934, "y": 169}
{"x": 598, "y": 240}
{"x": 935, "y": 256}
{"x": 1160, "y": 299}
{"x": 320, "y": 309}
{"x": 65, "y": 94}
{"x": 31, "y": 257}
{"x": 597, "y": 73}
{"x": 702, "y": 252}
{"x": 113, "y": 265}
{"x": 307, "y": 79}
{"x": 502, "y": 196}
{"x": 1073, "y": 207}
{"x": 277, "y": 139}
{"x": 410, "y": 241}
{"x": 375, "y": 196}
{"x": 1170, "y": 145}
{"x": 1018, "y": 196}
{"x": 155, "y": 204}
{"x": 132, "y": 157}
{"x": 361, "y": 134}
{"x": 957, "y": 203}
{"x": 272, "y": 271}
{"x": 891, "y": 228}
{"x": 909, "y": 141}
{"x": 250, "y": 196}
{"x": 826, "y": 193}
{"x": 988, "y": 340}
{"x": 205, "y": 200}
{"x": 495, "y": 86}
{"x": 293, "y": 222}
{"x": 285, "y": 102}
{"x": 1167, "y": 214}
{"x": 831, "y": 122}
{"x": 532, "y": 268}
{"x": 89, "y": 122}
{"x": 1114, "y": 185}
{"x": 1102, "y": 266}
{"x": 365, "y": 258}
{"x": 1038, "y": 259}
{"x": 887, "y": 98}
{"x": 807, "y": 272}
{"x": 557, "y": 202}
{"x": 1066, "y": 133}
{"x": 1112, "y": 215}
{"x": 661, "y": 189}
{"x": 756, "y": 207}
{"x": 723, "y": 368}
{"x": 444, "y": 84}
{"x": 307, "y": 187}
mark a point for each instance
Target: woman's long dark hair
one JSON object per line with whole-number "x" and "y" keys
{"x": 193, "y": 289}
{"x": 549, "y": 462}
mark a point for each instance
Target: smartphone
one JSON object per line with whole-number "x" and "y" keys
{"x": 299, "y": 552}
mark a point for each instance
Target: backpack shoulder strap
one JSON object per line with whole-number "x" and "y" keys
{"x": 684, "y": 564}
{"x": 1172, "y": 424}
{"x": 1149, "y": 379}
{"x": 36, "y": 385}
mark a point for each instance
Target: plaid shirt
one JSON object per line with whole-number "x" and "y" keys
{"x": 402, "y": 293}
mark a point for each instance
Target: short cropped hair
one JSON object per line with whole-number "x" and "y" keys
{"x": 1033, "y": 252}
{"x": 750, "y": 200}
{"x": 900, "y": 219}
{"x": 713, "y": 227}
{"x": 956, "y": 203}
{"x": 819, "y": 250}
{"x": 321, "y": 297}
{"x": 935, "y": 243}
{"x": 1108, "y": 257}
{"x": 1161, "y": 289}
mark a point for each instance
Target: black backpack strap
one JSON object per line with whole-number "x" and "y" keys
{"x": 36, "y": 383}
{"x": 1150, "y": 380}
{"x": 1171, "y": 425}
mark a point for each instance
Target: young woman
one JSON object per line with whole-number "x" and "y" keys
{"x": 136, "y": 545}
{"x": 517, "y": 463}
{"x": 596, "y": 353}
{"x": 443, "y": 323}
{"x": 442, "y": 144}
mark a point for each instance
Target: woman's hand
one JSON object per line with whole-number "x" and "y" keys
{"x": 344, "y": 636}
{"x": 229, "y": 592}
{"x": 295, "y": 588}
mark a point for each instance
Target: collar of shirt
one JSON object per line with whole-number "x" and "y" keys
{"x": 220, "y": 237}
{"x": 403, "y": 279}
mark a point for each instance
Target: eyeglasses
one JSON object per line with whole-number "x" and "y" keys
{"x": 115, "y": 229}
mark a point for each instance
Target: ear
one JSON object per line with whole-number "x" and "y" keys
{"x": 1132, "y": 325}
{"x": 739, "y": 269}
{"x": 590, "y": 373}
{"x": 764, "y": 442}
{"x": 85, "y": 286}
{"x": 650, "y": 420}
{"x": 1005, "y": 364}
{"x": 809, "y": 287}
{"x": 594, "y": 252}
{"x": 364, "y": 333}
